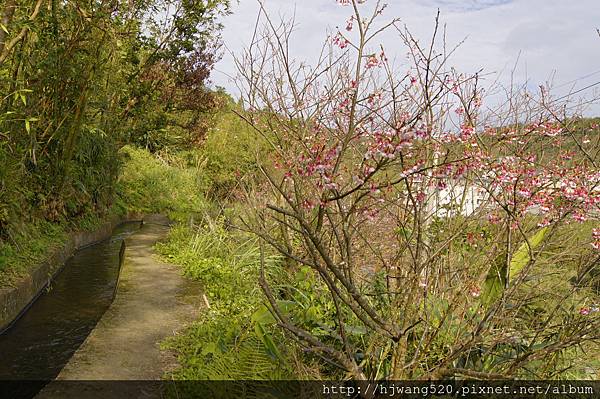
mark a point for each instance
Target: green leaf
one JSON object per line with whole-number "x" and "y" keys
{"x": 356, "y": 330}
{"x": 263, "y": 314}
{"x": 210, "y": 348}
{"x": 3, "y": 28}
{"x": 494, "y": 282}
{"x": 496, "y": 278}
{"x": 267, "y": 340}
{"x": 521, "y": 257}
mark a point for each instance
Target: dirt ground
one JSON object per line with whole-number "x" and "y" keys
{"x": 153, "y": 302}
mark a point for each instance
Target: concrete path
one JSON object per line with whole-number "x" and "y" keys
{"x": 153, "y": 302}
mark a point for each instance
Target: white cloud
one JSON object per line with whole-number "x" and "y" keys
{"x": 555, "y": 38}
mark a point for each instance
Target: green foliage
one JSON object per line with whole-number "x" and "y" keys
{"x": 89, "y": 186}
{"x": 522, "y": 256}
{"x": 12, "y": 192}
{"x": 232, "y": 149}
{"x": 151, "y": 185}
{"x": 34, "y": 218}
{"x": 28, "y": 247}
{"x": 495, "y": 281}
{"x": 82, "y": 80}
{"x": 228, "y": 342}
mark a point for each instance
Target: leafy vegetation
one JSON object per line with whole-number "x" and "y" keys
{"x": 149, "y": 184}
{"x": 81, "y": 80}
{"x": 28, "y": 248}
{"x": 231, "y": 150}
{"x": 313, "y": 229}
{"x": 376, "y": 177}
{"x": 229, "y": 341}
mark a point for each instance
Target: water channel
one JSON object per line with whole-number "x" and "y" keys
{"x": 41, "y": 342}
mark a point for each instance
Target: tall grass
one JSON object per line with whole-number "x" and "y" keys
{"x": 149, "y": 184}
{"x": 29, "y": 246}
{"x": 225, "y": 342}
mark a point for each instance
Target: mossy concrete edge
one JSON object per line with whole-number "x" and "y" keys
{"x": 16, "y": 299}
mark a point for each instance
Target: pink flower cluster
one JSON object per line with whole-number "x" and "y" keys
{"x": 340, "y": 41}
{"x": 552, "y": 191}
{"x": 547, "y": 129}
{"x": 376, "y": 60}
{"x": 349, "y": 23}
{"x": 387, "y": 144}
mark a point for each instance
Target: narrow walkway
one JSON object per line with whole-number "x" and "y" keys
{"x": 153, "y": 302}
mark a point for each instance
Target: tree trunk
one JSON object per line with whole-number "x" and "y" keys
{"x": 399, "y": 359}
{"x": 7, "y": 16}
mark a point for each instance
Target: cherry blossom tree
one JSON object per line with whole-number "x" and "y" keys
{"x": 448, "y": 236}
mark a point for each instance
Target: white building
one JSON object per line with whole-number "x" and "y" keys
{"x": 459, "y": 197}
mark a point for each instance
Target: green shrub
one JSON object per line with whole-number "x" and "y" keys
{"x": 151, "y": 185}
{"x": 28, "y": 247}
{"x": 12, "y": 191}
{"x": 231, "y": 150}
{"x": 226, "y": 343}
{"x": 38, "y": 208}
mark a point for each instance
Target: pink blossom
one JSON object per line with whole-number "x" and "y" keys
{"x": 358, "y": 180}
{"x": 349, "y": 24}
{"x": 340, "y": 41}
{"x": 307, "y": 204}
{"x": 544, "y": 223}
{"x": 475, "y": 292}
{"x": 372, "y": 61}
{"x": 382, "y": 56}
{"x": 584, "y": 311}
{"x": 493, "y": 218}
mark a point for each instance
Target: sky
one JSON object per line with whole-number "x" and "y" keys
{"x": 546, "y": 40}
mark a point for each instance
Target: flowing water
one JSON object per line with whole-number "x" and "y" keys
{"x": 39, "y": 344}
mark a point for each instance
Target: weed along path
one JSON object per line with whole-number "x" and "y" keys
{"x": 153, "y": 302}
